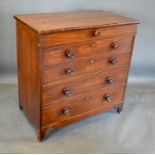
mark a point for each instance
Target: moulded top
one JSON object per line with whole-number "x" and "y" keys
{"x": 57, "y": 22}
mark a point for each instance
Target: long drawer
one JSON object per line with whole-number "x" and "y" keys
{"x": 75, "y": 86}
{"x": 72, "y": 52}
{"x": 87, "y": 102}
{"x": 89, "y": 34}
{"x": 66, "y": 71}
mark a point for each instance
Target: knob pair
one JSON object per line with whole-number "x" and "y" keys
{"x": 67, "y": 110}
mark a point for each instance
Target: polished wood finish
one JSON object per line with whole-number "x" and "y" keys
{"x": 55, "y": 93}
{"x": 83, "y": 35}
{"x": 88, "y": 65}
{"x": 82, "y": 104}
{"x": 72, "y": 65}
{"x": 93, "y": 48}
{"x": 28, "y": 56}
{"x": 58, "y": 22}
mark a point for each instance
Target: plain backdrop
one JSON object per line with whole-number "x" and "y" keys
{"x": 143, "y": 62}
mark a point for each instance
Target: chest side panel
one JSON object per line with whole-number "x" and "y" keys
{"x": 28, "y": 58}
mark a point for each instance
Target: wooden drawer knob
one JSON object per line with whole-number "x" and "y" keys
{"x": 69, "y": 71}
{"x": 115, "y": 45}
{"x": 93, "y": 44}
{"x": 92, "y": 61}
{"x": 67, "y": 91}
{"x": 70, "y": 54}
{"x": 97, "y": 33}
{"x": 66, "y": 111}
{"x": 109, "y": 80}
{"x": 107, "y": 98}
{"x": 112, "y": 61}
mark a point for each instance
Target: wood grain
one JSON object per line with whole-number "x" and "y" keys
{"x": 83, "y": 67}
{"x": 56, "y": 22}
{"x": 93, "y": 48}
{"x": 81, "y": 104}
{"x": 28, "y": 58}
{"x": 56, "y": 39}
{"x": 76, "y": 52}
{"x": 54, "y": 94}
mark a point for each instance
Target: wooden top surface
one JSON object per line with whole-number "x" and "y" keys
{"x": 56, "y": 22}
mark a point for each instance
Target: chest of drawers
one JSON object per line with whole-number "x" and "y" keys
{"x": 72, "y": 65}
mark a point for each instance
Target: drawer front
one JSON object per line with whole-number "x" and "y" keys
{"x": 82, "y": 67}
{"x": 69, "y": 53}
{"x": 81, "y": 35}
{"x": 74, "y": 87}
{"x": 74, "y": 107}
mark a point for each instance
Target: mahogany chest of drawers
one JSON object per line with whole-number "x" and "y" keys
{"x": 72, "y": 65}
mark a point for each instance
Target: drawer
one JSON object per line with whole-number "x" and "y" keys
{"x": 86, "y": 103}
{"x": 69, "y": 53}
{"x": 74, "y": 87}
{"x": 83, "y": 67}
{"x": 82, "y": 35}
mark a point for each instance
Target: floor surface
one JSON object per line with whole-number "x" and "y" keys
{"x": 130, "y": 132}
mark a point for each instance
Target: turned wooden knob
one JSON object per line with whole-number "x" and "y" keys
{"x": 97, "y": 33}
{"x": 67, "y": 91}
{"x": 115, "y": 45}
{"x": 107, "y": 98}
{"x": 66, "y": 111}
{"x": 70, "y": 54}
{"x": 69, "y": 71}
{"x": 109, "y": 80}
{"x": 112, "y": 61}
